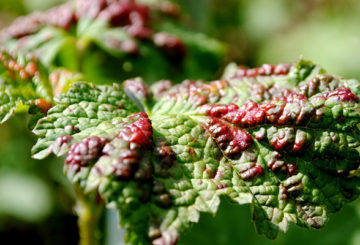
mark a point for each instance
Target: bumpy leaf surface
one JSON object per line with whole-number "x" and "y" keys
{"x": 283, "y": 139}
{"x": 22, "y": 85}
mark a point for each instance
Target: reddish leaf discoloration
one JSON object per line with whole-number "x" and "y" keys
{"x": 133, "y": 17}
{"x": 320, "y": 84}
{"x": 277, "y": 163}
{"x": 265, "y": 70}
{"x": 199, "y": 93}
{"x": 172, "y": 45}
{"x": 88, "y": 150}
{"x": 218, "y": 174}
{"x": 125, "y": 13}
{"x": 124, "y": 150}
{"x": 341, "y": 94}
{"x": 166, "y": 155}
{"x": 292, "y": 108}
{"x": 161, "y": 87}
{"x": 300, "y": 142}
{"x": 166, "y": 158}
{"x": 138, "y": 88}
{"x": 63, "y": 140}
{"x": 61, "y": 16}
{"x": 230, "y": 139}
{"x": 126, "y": 164}
{"x": 252, "y": 172}
{"x": 221, "y": 186}
{"x": 139, "y": 132}
{"x": 16, "y": 70}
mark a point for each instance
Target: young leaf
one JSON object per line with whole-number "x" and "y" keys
{"x": 23, "y": 84}
{"x": 289, "y": 148}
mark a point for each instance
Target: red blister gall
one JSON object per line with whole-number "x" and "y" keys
{"x": 43, "y": 105}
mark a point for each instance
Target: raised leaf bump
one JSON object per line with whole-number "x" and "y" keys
{"x": 232, "y": 139}
{"x": 24, "y": 85}
{"x": 83, "y": 109}
{"x": 292, "y": 155}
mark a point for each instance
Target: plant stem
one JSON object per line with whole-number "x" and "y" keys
{"x": 89, "y": 213}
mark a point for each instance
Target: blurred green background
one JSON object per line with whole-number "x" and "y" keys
{"x": 35, "y": 198}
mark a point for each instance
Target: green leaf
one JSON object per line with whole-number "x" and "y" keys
{"x": 80, "y": 112}
{"x": 81, "y": 38}
{"x": 23, "y": 82}
{"x": 283, "y": 139}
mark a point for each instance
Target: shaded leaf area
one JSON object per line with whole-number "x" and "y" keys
{"x": 283, "y": 139}
{"x": 126, "y": 38}
{"x": 24, "y": 85}
{"x": 221, "y": 229}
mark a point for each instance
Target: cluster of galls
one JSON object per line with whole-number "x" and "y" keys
{"x": 125, "y": 162}
{"x": 341, "y": 94}
{"x": 61, "y": 16}
{"x": 161, "y": 87}
{"x": 248, "y": 115}
{"x": 279, "y": 111}
{"x": 139, "y": 132}
{"x": 232, "y": 140}
{"x": 26, "y": 72}
{"x": 125, "y": 13}
{"x": 165, "y": 158}
{"x": 327, "y": 87}
{"x": 161, "y": 197}
{"x": 132, "y": 16}
{"x": 62, "y": 140}
{"x": 135, "y": 18}
{"x": 264, "y": 70}
{"x": 132, "y": 162}
{"x": 291, "y": 109}
{"x": 276, "y": 163}
{"x": 85, "y": 152}
{"x": 226, "y": 123}
{"x": 199, "y": 93}
{"x": 318, "y": 84}
{"x": 23, "y": 72}
{"x": 252, "y": 172}
{"x": 125, "y": 150}
{"x": 137, "y": 88}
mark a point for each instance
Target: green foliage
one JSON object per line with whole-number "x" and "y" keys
{"x": 283, "y": 139}
{"x": 23, "y": 84}
{"x": 155, "y": 45}
{"x": 291, "y": 153}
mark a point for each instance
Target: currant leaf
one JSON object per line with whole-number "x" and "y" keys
{"x": 84, "y": 109}
{"x": 290, "y": 149}
{"x": 24, "y": 84}
{"x": 292, "y": 155}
